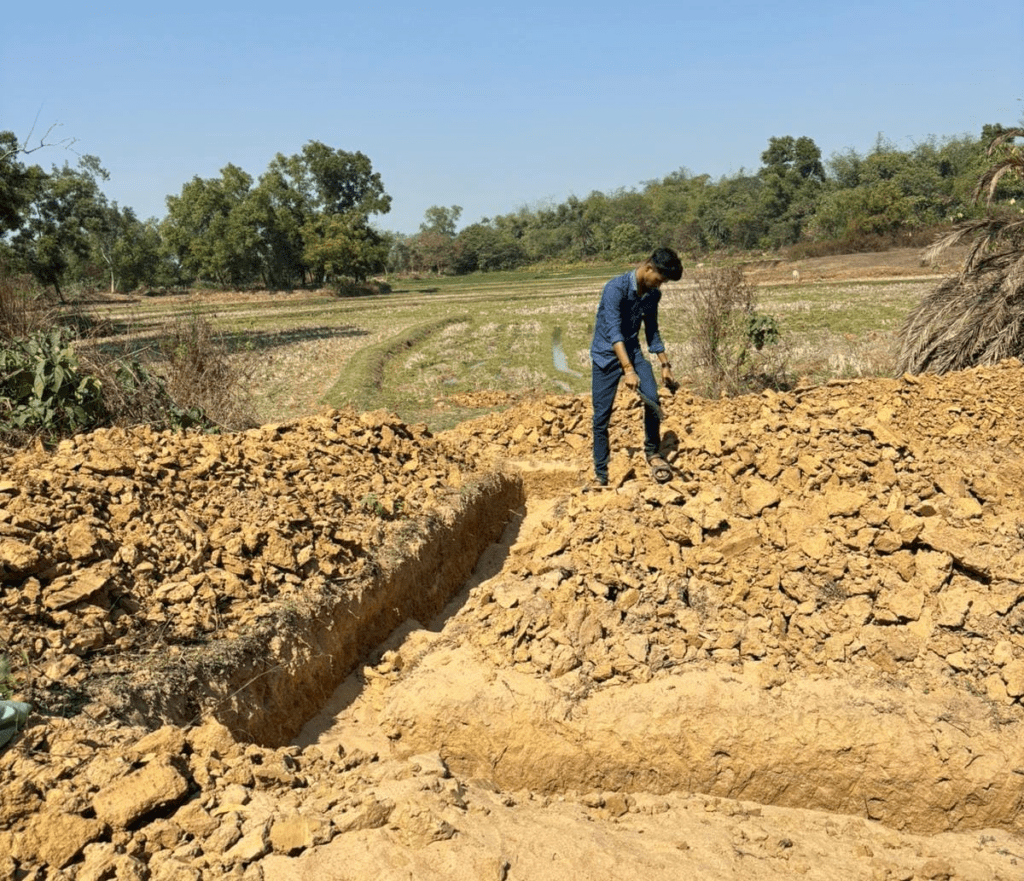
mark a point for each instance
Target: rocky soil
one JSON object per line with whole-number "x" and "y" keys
{"x": 344, "y": 648}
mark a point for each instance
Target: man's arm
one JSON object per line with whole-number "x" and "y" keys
{"x": 632, "y": 380}
{"x": 656, "y": 346}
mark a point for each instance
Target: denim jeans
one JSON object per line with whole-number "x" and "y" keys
{"x": 604, "y": 383}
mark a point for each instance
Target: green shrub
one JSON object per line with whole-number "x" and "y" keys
{"x": 55, "y": 383}
{"x": 43, "y": 389}
{"x": 762, "y": 330}
{"x": 7, "y": 681}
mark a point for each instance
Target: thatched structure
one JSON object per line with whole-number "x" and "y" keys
{"x": 977, "y": 317}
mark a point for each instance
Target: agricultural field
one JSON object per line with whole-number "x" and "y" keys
{"x": 441, "y": 350}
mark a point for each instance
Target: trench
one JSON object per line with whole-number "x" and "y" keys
{"x": 839, "y": 746}
{"x": 831, "y": 745}
{"x": 266, "y": 685}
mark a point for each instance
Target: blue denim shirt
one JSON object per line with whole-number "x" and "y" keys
{"x": 619, "y": 316}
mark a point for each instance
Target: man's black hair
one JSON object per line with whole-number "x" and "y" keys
{"x": 667, "y": 262}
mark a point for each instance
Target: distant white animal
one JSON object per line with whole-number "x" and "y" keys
{"x": 796, "y": 275}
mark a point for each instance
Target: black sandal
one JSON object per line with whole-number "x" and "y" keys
{"x": 661, "y": 471}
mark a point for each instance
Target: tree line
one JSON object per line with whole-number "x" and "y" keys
{"x": 305, "y": 221}
{"x": 849, "y": 202}
{"x": 313, "y": 218}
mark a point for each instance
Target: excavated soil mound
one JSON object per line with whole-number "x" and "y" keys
{"x": 803, "y": 656}
{"x": 137, "y": 564}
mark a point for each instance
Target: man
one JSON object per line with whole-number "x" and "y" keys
{"x": 628, "y": 301}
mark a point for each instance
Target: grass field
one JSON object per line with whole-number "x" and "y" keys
{"x": 418, "y": 350}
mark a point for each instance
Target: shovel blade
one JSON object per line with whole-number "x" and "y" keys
{"x": 653, "y": 405}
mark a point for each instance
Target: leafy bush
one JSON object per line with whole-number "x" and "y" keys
{"x": 627, "y": 240}
{"x": 735, "y": 348}
{"x": 53, "y": 385}
{"x": 762, "y": 330}
{"x": 43, "y": 389}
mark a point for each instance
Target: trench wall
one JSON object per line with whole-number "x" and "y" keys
{"x": 264, "y": 687}
{"x": 309, "y": 663}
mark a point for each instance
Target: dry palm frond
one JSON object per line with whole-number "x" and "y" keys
{"x": 1012, "y": 161}
{"x": 976, "y": 317}
{"x": 984, "y": 232}
{"x": 971, "y": 319}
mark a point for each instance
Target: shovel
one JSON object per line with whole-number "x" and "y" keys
{"x": 654, "y": 406}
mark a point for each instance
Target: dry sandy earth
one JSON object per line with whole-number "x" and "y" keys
{"x": 343, "y": 648}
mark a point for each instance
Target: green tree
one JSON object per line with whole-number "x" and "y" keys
{"x": 333, "y": 195}
{"x": 844, "y": 169}
{"x": 19, "y": 183}
{"x": 342, "y": 246}
{"x": 583, "y": 225}
{"x": 131, "y": 250}
{"x": 673, "y": 205}
{"x": 431, "y": 252}
{"x": 278, "y": 211}
{"x": 54, "y": 235}
{"x": 336, "y": 182}
{"x": 441, "y": 220}
{"x": 307, "y": 220}
{"x": 15, "y": 185}
{"x": 797, "y": 156}
{"x": 544, "y": 237}
{"x": 792, "y": 175}
{"x": 399, "y": 257}
{"x": 878, "y": 209}
{"x": 892, "y": 190}
{"x": 434, "y": 247}
{"x": 729, "y": 215}
{"x": 627, "y": 241}
{"x": 485, "y": 247}
{"x": 210, "y": 230}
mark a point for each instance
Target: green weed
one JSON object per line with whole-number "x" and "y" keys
{"x": 8, "y": 684}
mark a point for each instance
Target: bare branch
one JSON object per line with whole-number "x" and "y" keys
{"x": 24, "y": 147}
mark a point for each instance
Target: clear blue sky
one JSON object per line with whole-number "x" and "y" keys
{"x": 493, "y": 106}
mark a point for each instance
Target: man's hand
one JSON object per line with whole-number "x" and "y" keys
{"x": 632, "y": 380}
{"x": 666, "y": 377}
